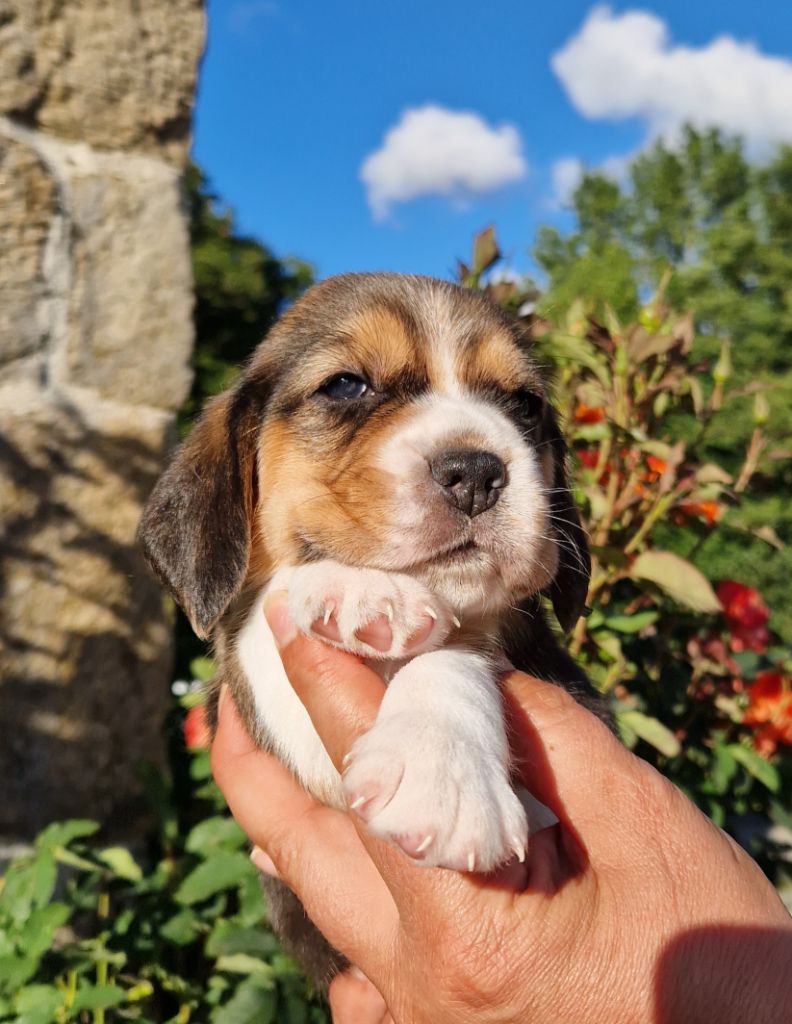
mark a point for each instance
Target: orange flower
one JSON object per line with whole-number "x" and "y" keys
{"x": 710, "y": 511}
{"x": 656, "y": 465}
{"x": 196, "y": 728}
{"x": 770, "y": 708}
{"x": 589, "y": 414}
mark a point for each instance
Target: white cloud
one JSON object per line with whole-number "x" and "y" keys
{"x": 434, "y": 151}
{"x": 566, "y": 174}
{"x": 620, "y": 66}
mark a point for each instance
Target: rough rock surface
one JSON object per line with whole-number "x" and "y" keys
{"x": 117, "y": 74}
{"x": 95, "y": 341}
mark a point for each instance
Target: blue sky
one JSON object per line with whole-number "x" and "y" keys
{"x": 489, "y": 113}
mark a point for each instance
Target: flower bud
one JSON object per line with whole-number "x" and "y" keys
{"x": 761, "y": 410}
{"x": 723, "y": 367}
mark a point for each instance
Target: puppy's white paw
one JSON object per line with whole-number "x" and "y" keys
{"x": 433, "y": 790}
{"x": 377, "y": 614}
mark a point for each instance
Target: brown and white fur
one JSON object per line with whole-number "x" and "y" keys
{"x": 431, "y": 507}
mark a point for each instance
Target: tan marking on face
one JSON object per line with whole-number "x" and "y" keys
{"x": 497, "y": 359}
{"x": 341, "y": 505}
{"x": 380, "y": 342}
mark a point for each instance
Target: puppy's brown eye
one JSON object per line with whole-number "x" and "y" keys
{"x": 530, "y": 405}
{"x": 345, "y": 387}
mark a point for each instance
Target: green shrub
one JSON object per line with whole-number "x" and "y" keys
{"x": 700, "y": 684}
{"x": 90, "y": 933}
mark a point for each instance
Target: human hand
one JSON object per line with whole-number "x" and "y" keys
{"x": 635, "y": 907}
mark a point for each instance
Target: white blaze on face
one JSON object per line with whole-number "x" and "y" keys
{"x": 517, "y": 555}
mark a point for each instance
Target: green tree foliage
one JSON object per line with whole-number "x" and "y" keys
{"x": 715, "y": 231}
{"x": 240, "y": 289}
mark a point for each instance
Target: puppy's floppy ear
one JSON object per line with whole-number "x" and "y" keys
{"x": 197, "y": 526}
{"x": 570, "y": 585}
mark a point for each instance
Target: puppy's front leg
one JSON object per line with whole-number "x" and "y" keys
{"x": 384, "y": 616}
{"x": 432, "y": 774}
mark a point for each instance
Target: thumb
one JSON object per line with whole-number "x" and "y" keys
{"x": 572, "y": 762}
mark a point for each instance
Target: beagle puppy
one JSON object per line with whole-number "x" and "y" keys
{"x": 389, "y": 457}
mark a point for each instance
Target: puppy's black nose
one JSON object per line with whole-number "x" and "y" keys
{"x": 471, "y": 480}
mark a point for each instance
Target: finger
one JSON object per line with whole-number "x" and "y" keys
{"x": 573, "y": 763}
{"x": 342, "y": 696}
{"x": 354, "y": 1000}
{"x": 315, "y": 849}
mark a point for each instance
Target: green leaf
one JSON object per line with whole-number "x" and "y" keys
{"x": 630, "y": 623}
{"x": 756, "y": 766}
{"x": 38, "y": 1004}
{"x": 203, "y": 669}
{"x": 722, "y": 769}
{"x": 121, "y": 862}
{"x": 241, "y": 963}
{"x": 221, "y": 871}
{"x": 29, "y": 884}
{"x": 250, "y": 1004}
{"x": 16, "y": 970}
{"x": 678, "y": 578}
{"x": 651, "y": 731}
{"x": 64, "y": 856}
{"x": 96, "y": 997}
{"x": 182, "y": 928}
{"x": 228, "y": 938}
{"x": 252, "y": 905}
{"x": 214, "y": 834}
{"x": 35, "y": 938}
{"x": 61, "y": 833}
{"x": 200, "y": 766}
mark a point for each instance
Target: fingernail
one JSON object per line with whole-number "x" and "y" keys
{"x": 276, "y": 612}
{"x": 263, "y": 862}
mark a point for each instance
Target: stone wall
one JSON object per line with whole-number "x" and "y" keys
{"x": 95, "y": 340}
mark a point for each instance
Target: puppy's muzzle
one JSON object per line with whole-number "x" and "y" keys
{"x": 471, "y": 480}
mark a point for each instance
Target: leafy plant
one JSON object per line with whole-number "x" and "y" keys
{"x": 697, "y": 208}
{"x": 699, "y": 686}
{"x": 177, "y": 933}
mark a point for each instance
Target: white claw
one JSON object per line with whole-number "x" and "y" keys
{"x": 471, "y": 861}
{"x": 357, "y": 803}
{"x": 327, "y": 613}
{"x": 425, "y": 843}
{"x": 430, "y": 612}
{"x": 346, "y": 759}
{"x": 456, "y": 622}
{"x": 389, "y": 611}
{"x": 519, "y": 849}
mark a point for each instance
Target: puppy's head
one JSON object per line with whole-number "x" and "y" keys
{"x": 386, "y": 421}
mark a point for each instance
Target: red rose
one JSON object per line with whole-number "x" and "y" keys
{"x": 589, "y": 457}
{"x": 196, "y": 729}
{"x": 743, "y": 606}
